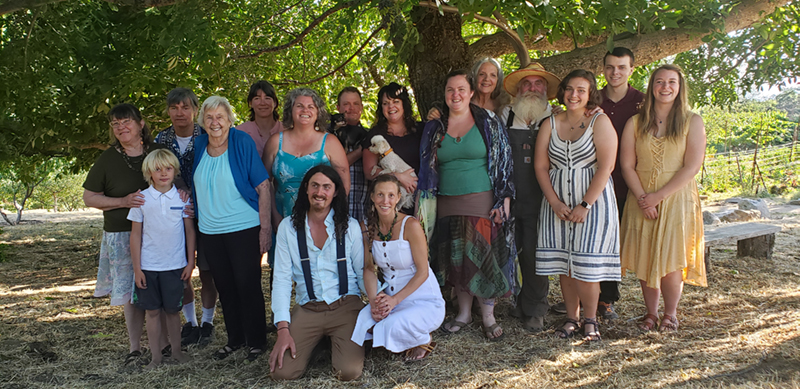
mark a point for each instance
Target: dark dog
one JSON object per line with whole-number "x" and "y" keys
{"x": 349, "y": 135}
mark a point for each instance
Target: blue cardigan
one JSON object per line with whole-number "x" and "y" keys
{"x": 246, "y": 167}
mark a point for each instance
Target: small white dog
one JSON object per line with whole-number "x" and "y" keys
{"x": 390, "y": 162}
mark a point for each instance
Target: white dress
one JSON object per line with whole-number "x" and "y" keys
{"x": 411, "y": 322}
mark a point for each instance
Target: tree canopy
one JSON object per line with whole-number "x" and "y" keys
{"x": 64, "y": 63}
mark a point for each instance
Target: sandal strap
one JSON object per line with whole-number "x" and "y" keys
{"x": 429, "y": 347}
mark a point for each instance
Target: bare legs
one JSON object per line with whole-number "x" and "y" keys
{"x": 671, "y": 289}
{"x": 577, "y": 292}
{"x": 208, "y": 291}
{"x": 156, "y": 336}
{"x": 134, "y": 320}
{"x": 465, "y": 312}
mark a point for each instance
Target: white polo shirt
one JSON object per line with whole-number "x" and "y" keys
{"x": 163, "y": 236}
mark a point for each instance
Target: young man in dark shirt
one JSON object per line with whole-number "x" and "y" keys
{"x": 620, "y": 102}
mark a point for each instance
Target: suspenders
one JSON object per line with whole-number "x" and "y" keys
{"x": 510, "y": 121}
{"x": 305, "y": 263}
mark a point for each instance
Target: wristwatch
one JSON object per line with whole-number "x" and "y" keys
{"x": 586, "y": 205}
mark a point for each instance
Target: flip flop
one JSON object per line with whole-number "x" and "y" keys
{"x": 488, "y": 331}
{"x": 453, "y": 323}
{"x": 428, "y": 350}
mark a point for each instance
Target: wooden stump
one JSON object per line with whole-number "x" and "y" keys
{"x": 758, "y": 247}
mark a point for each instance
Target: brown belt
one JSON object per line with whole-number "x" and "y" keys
{"x": 321, "y": 306}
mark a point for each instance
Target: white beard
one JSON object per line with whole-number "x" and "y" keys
{"x": 530, "y": 106}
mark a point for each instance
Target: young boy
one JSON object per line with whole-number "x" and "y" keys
{"x": 162, "y": 249}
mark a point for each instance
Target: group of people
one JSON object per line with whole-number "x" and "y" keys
{"x": 332, "y": 217}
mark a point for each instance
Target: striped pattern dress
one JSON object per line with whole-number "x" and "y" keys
{"x": 587, "y": 251}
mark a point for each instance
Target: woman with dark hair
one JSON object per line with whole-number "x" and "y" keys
{"x": 466, "y": 188}
{"x": 662, "y": 239}
{"x": 232, "y": 202}
{"x": 395, "y": 122}
{"x": 402, "y": 316}
{"x": 264, "y": 118}
{"x": 302, "y": 145}
{"x": 113, "y": 185}
{"x": 579, "y": 222}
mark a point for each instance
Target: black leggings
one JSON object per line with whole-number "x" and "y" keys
{"x": 235, "y": 262}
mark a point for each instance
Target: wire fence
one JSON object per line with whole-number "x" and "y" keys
{"x": 772, "y": 169}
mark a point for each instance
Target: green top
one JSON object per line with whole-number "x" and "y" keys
{"x": 111, "y": 176}
{"x": 463, "y": 165}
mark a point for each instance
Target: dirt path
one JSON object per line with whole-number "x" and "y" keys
{"x": 742, "y": 331}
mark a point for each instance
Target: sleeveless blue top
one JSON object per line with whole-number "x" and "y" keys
{"x": 288, "y": 171}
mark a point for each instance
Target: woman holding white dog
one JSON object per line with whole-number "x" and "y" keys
{"x": 467, "y": 172}
{"x": 395, "y": 122}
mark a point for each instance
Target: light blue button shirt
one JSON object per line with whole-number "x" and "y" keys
{"x": 324, "y": 269}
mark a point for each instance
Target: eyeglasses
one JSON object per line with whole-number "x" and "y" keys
{"x": 120, "y": 123}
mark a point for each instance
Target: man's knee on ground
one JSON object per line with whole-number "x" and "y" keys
{"x": 285, "y": 374}
{"x": 349, "y": 373}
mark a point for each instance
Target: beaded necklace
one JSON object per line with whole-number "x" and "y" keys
{"x": 388, "y": 236}
{"x": 129, "y": 160}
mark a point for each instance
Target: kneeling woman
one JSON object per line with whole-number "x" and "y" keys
{"x": 402, "y": 316}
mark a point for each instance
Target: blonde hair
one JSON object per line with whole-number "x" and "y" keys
{"x": 678, "y": 116}
{"x": 159, "y": 159}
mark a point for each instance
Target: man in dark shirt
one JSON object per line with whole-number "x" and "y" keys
{"x": 620, "y": 102}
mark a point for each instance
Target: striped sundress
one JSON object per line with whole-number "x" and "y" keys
{"x": 587, "y": 251}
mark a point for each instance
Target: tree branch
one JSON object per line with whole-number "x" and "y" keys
{"x": 363, "y": 45}
{"x": 314, "y": 23}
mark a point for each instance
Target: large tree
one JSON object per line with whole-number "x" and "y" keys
{"x": 63, "y": 63}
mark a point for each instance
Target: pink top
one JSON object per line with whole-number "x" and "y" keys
{"x": 251, "y": 129}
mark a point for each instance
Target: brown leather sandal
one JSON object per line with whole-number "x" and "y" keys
{"x": 648, "y": 322}
{"x": 428, "y": 350}
{"x": 669, "y": 323}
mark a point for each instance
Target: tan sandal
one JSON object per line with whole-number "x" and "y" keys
{"x": 648, "y": 322}
{"x": 428, "y": 350}
{"x": 669, "y": 323}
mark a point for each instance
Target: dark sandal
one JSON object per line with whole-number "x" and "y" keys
{"x": 223, "y": 352}
{"x": 648, "y": 322}
{"x": 591, "y": 336}
{"x": 131, "y": 357}
{"x": 453, "y": 323}
{"x": 489, "y": 331}
{"x": 563, "y": 332}
{"x": 428, "y": 350}
{"x": 254, "y": 354}
{"x": 669, "y": 323}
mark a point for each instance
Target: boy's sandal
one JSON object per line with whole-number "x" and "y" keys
{"x": 648, "y": 322}
{"x": 428, "y": 348}
{"x": 668, "y": 323}
{"x": 131, "y": 357}
{"x": 453, "y": 323}
{"x": 567, "y": 329}
{"x": 489, "y": 331}
{"x": 594, "y": 335}
{"x": 223, "y": 352}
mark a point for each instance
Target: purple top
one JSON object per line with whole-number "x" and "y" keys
{"x": 619, "y": 113}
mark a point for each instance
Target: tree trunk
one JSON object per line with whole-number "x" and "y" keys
{"x": 443, "y": 50}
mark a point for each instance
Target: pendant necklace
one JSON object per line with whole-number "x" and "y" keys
{"x": 582, "y": 126}
{"x": 388, "y": 236}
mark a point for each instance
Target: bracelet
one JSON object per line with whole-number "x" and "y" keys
{"x": 282, "y": 328}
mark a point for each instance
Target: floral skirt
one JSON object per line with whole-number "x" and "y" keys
{"x": 115, "y": 271}
{"x": 472, "y": 254}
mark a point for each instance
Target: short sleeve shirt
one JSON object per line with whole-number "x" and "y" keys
{"x": 163, "y": 236}
{"x": 406, "y": 147}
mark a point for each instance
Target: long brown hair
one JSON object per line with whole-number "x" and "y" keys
{"x": 372, "y": 215}
{"x": 678, "y": 116}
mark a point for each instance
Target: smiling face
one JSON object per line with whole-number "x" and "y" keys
{"x": 350, "y": 105}
{"x": 217, "y": 123}
{"x": 532, "y": 83}
{"x": 666, "y": 86}
{"x": 487, "y": 78}
{"x": 182, "y": 114}
{"x": 127, "y": 131}
{"x": 385, "y": 196}
{"x": 457, "y": 93}
{"x": 576, "y": 94}
{"x": 304, "y": 112}
{"x": 617, "y": 70}
{"x": 392, "y": 109}
{"x": 321, "y": 191}
{"x": 262, "y": 105}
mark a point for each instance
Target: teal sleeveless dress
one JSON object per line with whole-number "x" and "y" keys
{"x": 288, "y": 171}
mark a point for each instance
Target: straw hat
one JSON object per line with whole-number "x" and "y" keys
{"x": 533, "y": 69}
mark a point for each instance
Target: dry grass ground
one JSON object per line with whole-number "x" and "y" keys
{"x": 743, "y": 331}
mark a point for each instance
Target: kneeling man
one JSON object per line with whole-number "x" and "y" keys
{"x": 322, "y": 250}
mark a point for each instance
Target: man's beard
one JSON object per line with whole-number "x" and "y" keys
{"x": 530, "y": 106}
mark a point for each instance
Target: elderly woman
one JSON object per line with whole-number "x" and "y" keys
{"x": 264, "y": 118}
{"x": 662, "y": 149}
{"x": 395, "y": 122}
{"x": 113, "y": 185}
{"x": 467, "y": 170}
{"x": 302, "y": 145}
{"x": 232, "y": 200}
{"x": 579, "y": 222}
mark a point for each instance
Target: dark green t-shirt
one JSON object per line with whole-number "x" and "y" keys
{"x": 111, "y": 176}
